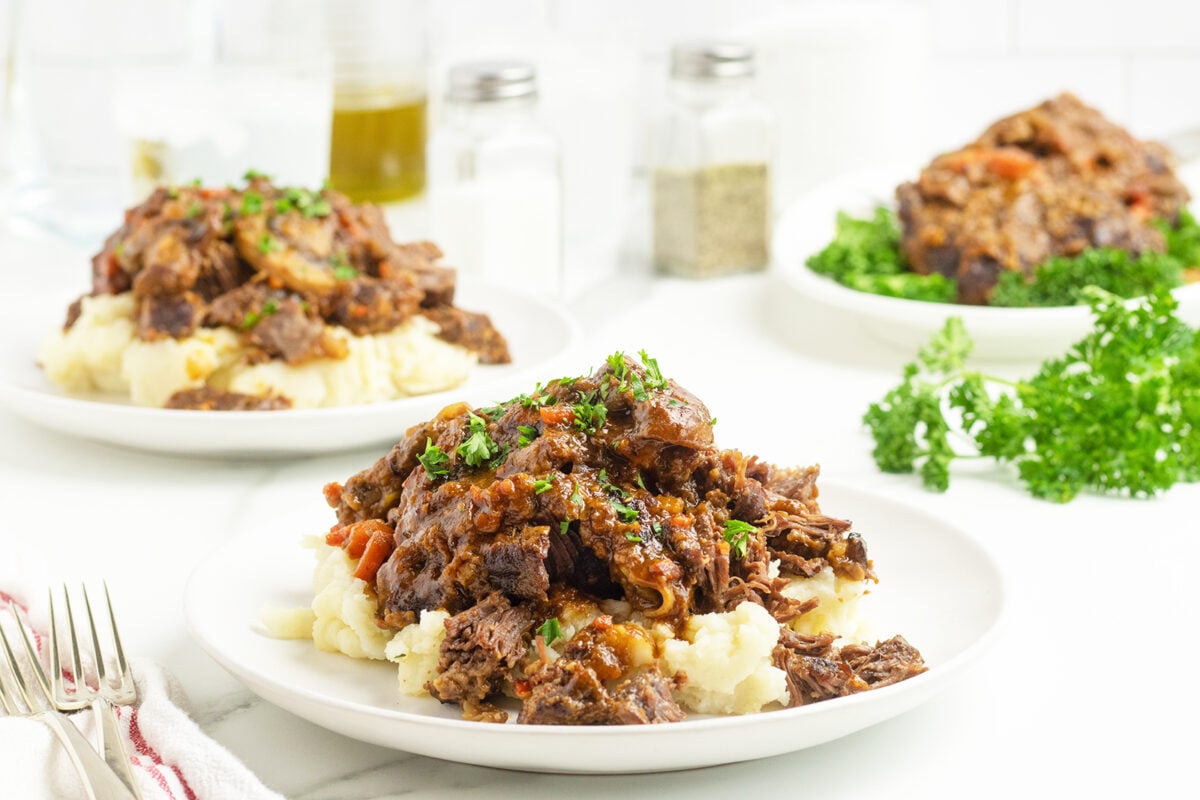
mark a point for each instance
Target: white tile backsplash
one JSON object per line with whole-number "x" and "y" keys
{"x": 970, "y": 92}
{"x": 1136, "y": 28}
{"x": 1157, "y": 107}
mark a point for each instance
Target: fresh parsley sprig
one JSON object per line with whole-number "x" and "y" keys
{"x": 737, "y": 534}
{"x": 1118, "y": 413}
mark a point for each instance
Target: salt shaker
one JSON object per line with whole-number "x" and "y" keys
{"x": 495, "y": 187}
{"x": 711, "y": 163}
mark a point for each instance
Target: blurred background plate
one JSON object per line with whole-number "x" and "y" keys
{"x": 1017, "y": 335}
{"x": 540, "y": 335}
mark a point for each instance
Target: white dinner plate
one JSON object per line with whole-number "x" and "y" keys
{"x": 938, "y": 588}
{"x": 1000, "y": 334}
{"x": 541, "y": 338}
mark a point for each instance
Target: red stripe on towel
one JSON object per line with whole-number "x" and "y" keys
{"x": 139, "y": 741}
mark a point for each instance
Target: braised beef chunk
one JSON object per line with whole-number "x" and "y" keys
{"x": 185, "y": 250}
{"x": 884, "y": 664}
{"x": 1051, "y": 180}
{"x": 473, "y": 331}
{"x": 817, "y": 671}
{"x": 206, "y": 398}
{"x": 482, "y": 644}
{"x": 605, "y": 487}
{"x": 168, "y": 315}
{"x": 568, "y": 692}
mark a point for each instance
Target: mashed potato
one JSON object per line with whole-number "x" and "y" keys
{"x": 344, "y": 608}
{"x": 727, "y": 656}
{"x": 415, "y": 650}
{"x": 838, "y": 612}
{"x": 727, "y": 659}
{"x": 101, "y": 353}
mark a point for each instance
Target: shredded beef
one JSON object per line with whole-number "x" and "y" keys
{"x": 538, "y": 510}
{"x": 482, "y": 644}
{"x": 206, "y": 398}
{"x": 197, "y": 256}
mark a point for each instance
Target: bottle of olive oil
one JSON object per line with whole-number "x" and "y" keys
{"x": 378, "y": 144}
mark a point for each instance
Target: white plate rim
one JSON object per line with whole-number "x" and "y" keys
{"x": 43, "y": 404}
{"x": 900, "y": 697}
{"x": 791, "y": 248}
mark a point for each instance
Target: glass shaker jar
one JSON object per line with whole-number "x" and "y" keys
{"x": 495, "y": 188}
{"x": 377, "y": 152}
{"x": 711, "y": 165}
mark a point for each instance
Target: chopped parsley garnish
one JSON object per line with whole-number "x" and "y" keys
{"x": 537, "y": 400}
{"x": 119, "y": 250}
{"x": 657, "y": 528}
{"x": 550, "y": 631}
{"x": 253, "y": 174}
{"x": 477, "y": 448}
{"x": 626, "y": 513}
{"x": 575, "y": 497}
{"x": 267, "y": 244}
{"x": 345, "y": 272}
{"x": 543, "y": 485}
{"x": 195, "y": 210}
{"x": 252, "y": 318}
{"x": 654, "y": 376}
{"x": 526, "y": 434}
{"x": 197, "y": 183}
{"x": 604, "y": 484}
{"x": 562, "y": 526}
{"x": 712, "y": 421}
{"x": 252, "y": 202}
{"x": 632, "y": 537}
{"x": 737, "y": 533}
{"x": 641, "y": 485}
{"x": 434, "y": 460}
{"x": 1119, "y": 413}
{"x": 627, "y": 380}
{"x": 590, "y": 413}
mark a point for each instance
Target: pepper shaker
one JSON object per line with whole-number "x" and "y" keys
{"x": 711, "y": 165}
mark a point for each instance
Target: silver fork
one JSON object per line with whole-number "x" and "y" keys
{"x": 106, "y": 694}
{"x": 99, "y": 781}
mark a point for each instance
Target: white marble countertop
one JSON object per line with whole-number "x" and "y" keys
{"x": 1086, "y": 692}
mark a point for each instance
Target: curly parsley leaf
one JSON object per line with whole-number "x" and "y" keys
{"x": 1063, "y": 280}
{"x": 865, "y": 255}
{"x": 1118, "y": 413}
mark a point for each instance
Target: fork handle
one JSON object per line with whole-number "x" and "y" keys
{"x": 100, "y": 782}
{"x": 112, "y": 745}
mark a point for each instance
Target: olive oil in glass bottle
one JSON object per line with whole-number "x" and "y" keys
{"x": 377, "y": 151}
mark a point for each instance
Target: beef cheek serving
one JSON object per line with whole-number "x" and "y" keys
{"x": 592, "y": 491}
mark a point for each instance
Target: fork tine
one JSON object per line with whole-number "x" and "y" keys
{"x": 122, "y": 664}
{"x": 18, "y": 679}
{"x": 97, "y": 653}
{"x": 56, "y": 677}
{"x": 34, "y": 661}
{"x": 76, "y": 660}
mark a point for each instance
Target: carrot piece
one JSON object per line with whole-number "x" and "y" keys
{"x": 377, "y": 550}
{"x": 557, "y": 415}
